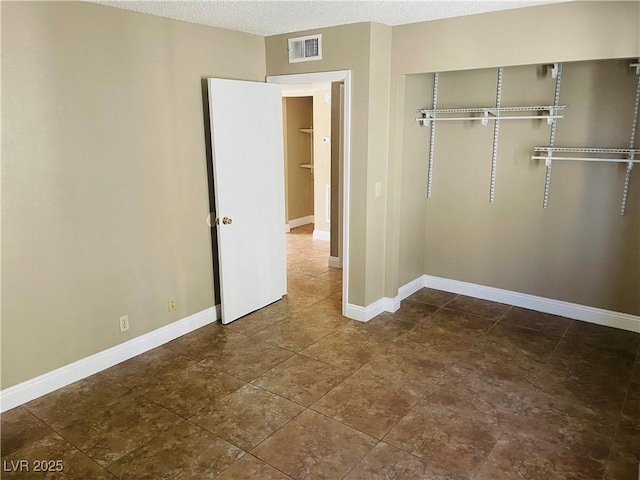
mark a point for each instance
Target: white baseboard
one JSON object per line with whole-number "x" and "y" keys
{"x": 321, "y": 235}
{"x": 48, "y": 382}
{"x": 334, "y": 262}
{"x": 298, "y": 222}
{"x": 575, "y": 311}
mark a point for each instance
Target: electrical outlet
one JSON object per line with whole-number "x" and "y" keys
{"x": 172, "y": 304}
{"x": 124, "y": 323}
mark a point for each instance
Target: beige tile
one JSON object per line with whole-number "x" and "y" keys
{"x": 456, "y": 440}
{"x": 134, "y": 372}
{"x": 414, "y": 312}
{"x": 61, "y": 407}
{"x": 247, "y": 416}
{"x": 346, "y": 350}
{"x": 301, "y": 379}
{"x": 292, "y": 334}
{"x": 519, "y": 456}
{"x": 368, "y": 406}
{"x": 386, "y": 462}
{"x": 541, "y": 322}
{"x": 478, "y": 306}
{"x": 313, "y": 446}
{"x": 437, "y": 298}
{"x": 20, "y": 428}
{"x": 205, "y": 341}
{"x": 75, "y": 465}
{"x": 184, "y": 452}
{"x": 249, "y": 467}
{"x": 185, "y": 391}
{"x": 111, "y": 431}
{"x": 248, "y": 359}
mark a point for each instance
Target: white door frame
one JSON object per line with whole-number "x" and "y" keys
{"x": 335, "y": 76}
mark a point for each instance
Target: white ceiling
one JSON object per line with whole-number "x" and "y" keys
{"x": 272, "y": 17}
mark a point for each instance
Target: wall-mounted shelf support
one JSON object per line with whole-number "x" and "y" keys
{"x": 557, "y": 73}
{"x": 496, "y": 130}
{"x": 432, "y": 136}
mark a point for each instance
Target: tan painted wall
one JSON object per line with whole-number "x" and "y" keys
{"x": 572, "y": 31}
{"x": 344, "y": 48}
{"x": 104, "y": 179}
{"x": 322, "y": 157}
{"x": 299, "y": 188}
{"x": 583, "y": 31}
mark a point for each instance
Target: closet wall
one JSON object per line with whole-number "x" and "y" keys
{"x": 297, "y": 114}
{"x": 580, "y": 249}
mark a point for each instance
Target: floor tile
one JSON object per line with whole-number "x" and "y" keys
{"x": 345, "y": 350}
{"x": 20, "y": 428}
{"x": 75, "y": 465}
{"x": 116, "y": 429}
{"x": 322, "y": 314}
{"x": 184, "y": 452}
{"x": 313, "y": 447}
{"x": 135, "y": 371}
{"x": 631, "y": 408}
{"x": 248, "y": 359}
{"x": 247, "y": 416}
{"x": 185, "y": 391}
{"x": 539, "y": 321}
{"x": 403, "y": 369}
{"x": 61, "y": 407}
{"x": 478, "y": 306}
{"x": 454, "y": 439}
{"x": 437, "y": 298}
{"x": 205, "y": 341}
{"x": 249, "y": 467}
{"x": 413, "y": 312}
{"x": 523, "y": 340}
{"x": 292, "y": 334}
{"x": 301, "y": 379}
{"x": 457, "y": 323}
{"x": 384, "y": 328}
{"x": 366, "y": 405}
{"x": 519, "y": 456}
{"x": 386, "y": 462}
{"x": 593, "y": 334}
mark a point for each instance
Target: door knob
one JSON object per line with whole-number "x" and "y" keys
{"x": 227, "y": 221}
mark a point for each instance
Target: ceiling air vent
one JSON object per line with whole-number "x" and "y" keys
{"x": 305, "y": 49}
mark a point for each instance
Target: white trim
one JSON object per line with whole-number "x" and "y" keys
{"x": 321, "y": 235}
{"x": 334, "y": 262}
{"x": 575, "y": 311}
{"x": 585, "y": 313}
{"x": 335, "y": 76}
{"x": 48, "y": 382}
{"x": 298, "y": 222}
{"x": 287, "y": 229}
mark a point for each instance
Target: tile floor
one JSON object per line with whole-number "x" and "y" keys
{"x": 447, "y": 388}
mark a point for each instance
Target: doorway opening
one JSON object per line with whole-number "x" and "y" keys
{"x": 317, "y": 171}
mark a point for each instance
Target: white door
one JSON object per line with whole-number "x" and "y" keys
{"x": 248, "y": 174}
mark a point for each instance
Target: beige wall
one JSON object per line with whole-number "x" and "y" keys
{"x": 298, "y": 114}
{"x": 571, "y": 31}
{"x": 322, "y": 157}
{"x": 104, "y": 178}
{"x": 584, "y": 31}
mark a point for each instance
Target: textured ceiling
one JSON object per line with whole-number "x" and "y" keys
{"x": 275, "y": 17}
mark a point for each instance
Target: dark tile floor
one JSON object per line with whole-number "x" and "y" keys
{"x": 447, "y": 388}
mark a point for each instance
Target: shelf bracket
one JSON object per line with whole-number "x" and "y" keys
{"x": 636, "y": 66}
{"x": 432, "y": 136}
{"x": 632, "y": 141}
{"x": 556, "y": 72}
{"x": 625, "y": 188}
